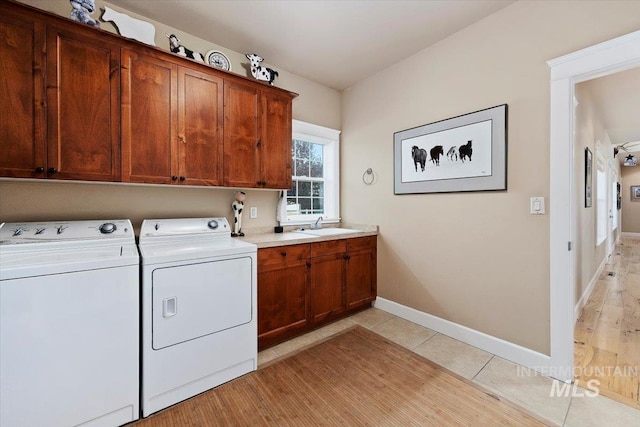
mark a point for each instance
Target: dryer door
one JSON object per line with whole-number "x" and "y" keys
{"x": 195, "y": 300}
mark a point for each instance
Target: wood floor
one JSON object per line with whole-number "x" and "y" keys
{"x": 607, "y": 334}
{"x": 355, "y": 378}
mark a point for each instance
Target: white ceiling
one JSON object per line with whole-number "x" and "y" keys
{"x": 617, "y": 98}
{"x": 332, "y": 42}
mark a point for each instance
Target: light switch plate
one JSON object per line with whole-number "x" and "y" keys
{"x": 253, "y": 212}
{"x": 537, "y": 206}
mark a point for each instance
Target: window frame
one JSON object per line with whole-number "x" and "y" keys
{"x": 330, "y": 139}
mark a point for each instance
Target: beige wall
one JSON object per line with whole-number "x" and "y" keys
{"x": 477, "y": 259}
{"x": 588, "y": 129}
{"x": 630, "y": 210}
{"x": 39, "y": 200}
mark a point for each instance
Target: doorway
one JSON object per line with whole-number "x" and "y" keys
{"x": 603, "y": 59}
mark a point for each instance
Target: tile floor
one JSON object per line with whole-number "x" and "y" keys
{"x": 496, "y": 374}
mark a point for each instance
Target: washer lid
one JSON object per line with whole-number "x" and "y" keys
{"x": 43, "y": 262}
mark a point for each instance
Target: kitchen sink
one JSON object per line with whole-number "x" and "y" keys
{"x": 327, "y": 231}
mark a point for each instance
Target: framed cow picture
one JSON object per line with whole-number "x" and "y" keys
{"x": 463, "y": 153}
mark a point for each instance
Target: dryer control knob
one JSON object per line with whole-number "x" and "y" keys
{"x": 107, "y": 228}
{"x": 213, "y": 224}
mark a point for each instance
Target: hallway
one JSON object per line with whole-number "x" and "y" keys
{"x": 607, "y": 334}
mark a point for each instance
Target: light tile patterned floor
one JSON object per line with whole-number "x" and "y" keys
{"x": 500, "y": 376}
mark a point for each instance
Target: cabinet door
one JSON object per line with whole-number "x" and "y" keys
{"x": 241, "y": 135}
{"x": 149, "y": 119}
{"x": 361, "y": 271}
{"x": 275, "y": 149}
{"x": 283, "y": 301}
{"x": 327, "y": 287}
{"x": 22, "y": 103}
{"x": 360, "y": 278}
{"x": 200, "y": 119}
{"x": 83, "y": 102}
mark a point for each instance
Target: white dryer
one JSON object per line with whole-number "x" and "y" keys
{"x": 69, "y": 324}
{"x": 199, "y": 308}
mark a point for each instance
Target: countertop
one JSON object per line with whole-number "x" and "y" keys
{"x": 266, "y": 238}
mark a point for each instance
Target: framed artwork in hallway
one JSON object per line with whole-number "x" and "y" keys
{"x": 635, "y": 193}
{"x": 588, "y": 164}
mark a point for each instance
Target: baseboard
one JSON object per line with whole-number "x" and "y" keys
{"x": 629, "y": 234}
{"x": 504, "y": 349}
{"x": 587, "y": 293}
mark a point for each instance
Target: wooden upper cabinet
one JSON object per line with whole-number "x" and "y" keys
{"x": 257, "y": 137}
{"x": 172, "y": 119}
{"x": 276, "y": 141}
{"x": 22, "y": 103}
{"x": 241, "y": 135}
{"x": 83, "y": 105}
{"x": 200, "y": 120}
{"x": 79, "y": 103}
{"x": 149, "y": 119}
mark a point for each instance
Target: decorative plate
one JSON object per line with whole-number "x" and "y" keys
{"x": 218, "y": 59}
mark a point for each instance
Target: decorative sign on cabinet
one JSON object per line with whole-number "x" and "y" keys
{"x": 88, "y": 105}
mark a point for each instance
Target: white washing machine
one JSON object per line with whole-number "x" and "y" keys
{"x": 199, "y": 308}
{"x": 69, "y": 324}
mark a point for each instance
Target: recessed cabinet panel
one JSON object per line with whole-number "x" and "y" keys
{"x": 276, "y": 141}
{"x": 22, "y": 128}
{"x": 200, "y": 127}
{"x": 241, "y": 135}
{"x": 327, "y": 286}
{"x": 283, "y": 300}
{"x": 149, "y": 116}
{"x": 83, "y": 94}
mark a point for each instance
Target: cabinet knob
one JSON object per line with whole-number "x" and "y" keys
{"x": 39, "y": 169}
{"x": 283, "y": 253}
{"x": 182, "y": 178}
{"x": 51, "y": 171}
{"x": 174, "y": 178}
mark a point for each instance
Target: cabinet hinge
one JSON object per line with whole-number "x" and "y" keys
{"x": 569, "y": 247}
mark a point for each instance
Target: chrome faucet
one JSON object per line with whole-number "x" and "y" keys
{"x": 316, "y": 225}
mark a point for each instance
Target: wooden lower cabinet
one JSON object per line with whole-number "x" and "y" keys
{"x": 302, "y": 287}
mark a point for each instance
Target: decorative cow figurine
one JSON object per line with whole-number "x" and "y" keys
{"x": 81, "y": 12}
{"x": 258, "y": 71}
{"x": 238, "y": 206}
{"x": 176, "y": 47}
{"x": 131, "y": 27}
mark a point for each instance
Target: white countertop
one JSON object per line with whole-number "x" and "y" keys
{"x": 266, "y": 239}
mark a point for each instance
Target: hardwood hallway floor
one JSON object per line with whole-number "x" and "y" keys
{"x": 607, "y": 334}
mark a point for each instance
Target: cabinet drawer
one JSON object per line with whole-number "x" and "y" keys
{"x": 358, "y": 243}
{"x": 282, "y": 256}
{"x": 329, "y": 247}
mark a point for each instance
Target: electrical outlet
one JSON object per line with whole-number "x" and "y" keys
{"x": 253, "y": 212}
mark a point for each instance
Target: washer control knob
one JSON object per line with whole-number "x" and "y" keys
{"x": 213, "y": 224}
{"x": 107, "y": 228}
{"x": 60, "y": 229}
{"x": 18, "y": 232}
{"x": 40, "y": 230}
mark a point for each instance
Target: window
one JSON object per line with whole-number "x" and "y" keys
{"x": 316, "y": 186}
